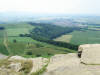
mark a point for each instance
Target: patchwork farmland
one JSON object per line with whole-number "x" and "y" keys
{"x": 11, "y": 43}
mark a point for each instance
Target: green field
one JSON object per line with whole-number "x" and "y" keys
{"x": 12, "y": 44}
{"x": 17, "y": 31}
{"x": 21, "y": 39}
{"x": 85, "y": 37}
{"x": 81, "y": 37}
{"x": 64, "y": 38}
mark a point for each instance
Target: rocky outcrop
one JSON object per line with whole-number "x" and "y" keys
{"x": 85, "y": 62}
{"x": 17, "y": 65}
{"x": 66, "y": 64}
{"x": 90, "y": 54}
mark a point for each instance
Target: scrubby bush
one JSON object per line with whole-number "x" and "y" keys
{"x": 38, "y": 55}
{"x": 14, "y": 40}
{"x": 29, "y": 53}
{"x": 26, "y": 66}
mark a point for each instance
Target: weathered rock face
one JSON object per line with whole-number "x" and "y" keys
{"x": 16, "y": 65}
{"x": 90, "y": 53}
{"x": 38, "y": 63}
{"x": 70, "y": 64}
{"x": 17, "y": 58}
{"x": 66, "y": 64}
{"x": 60, "y": 64}
{"x": 9, "y": 72}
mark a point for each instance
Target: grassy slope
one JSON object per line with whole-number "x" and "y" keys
{"x": 21, "y": 47}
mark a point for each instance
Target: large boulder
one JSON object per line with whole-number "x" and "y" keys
{"x": 17, "y": 65}
{"x": 38, "y": 63}
{"x": 66, "y": 64}
{"x": 90, "y": 54}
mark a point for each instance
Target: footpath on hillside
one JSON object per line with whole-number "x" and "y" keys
{"x": 5, "y": 42}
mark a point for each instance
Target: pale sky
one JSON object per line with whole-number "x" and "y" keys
{"x": 51, "y": 6}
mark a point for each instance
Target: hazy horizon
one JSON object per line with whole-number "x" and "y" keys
{"x": 51, "y": 6}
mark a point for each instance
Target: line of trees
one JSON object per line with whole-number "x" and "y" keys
{"x": 57, "y": 43}
{"x": 2, "y": 28}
